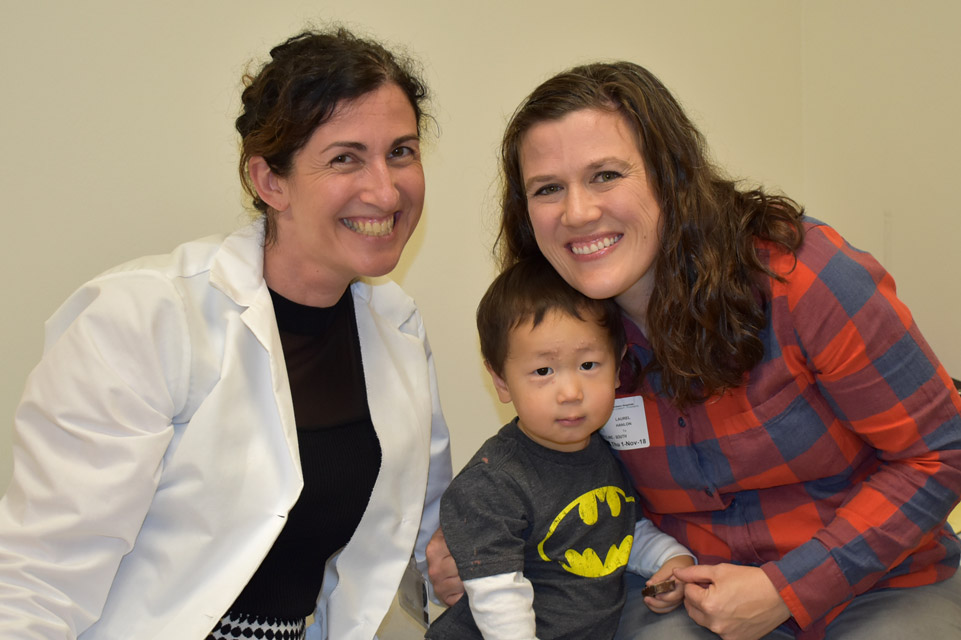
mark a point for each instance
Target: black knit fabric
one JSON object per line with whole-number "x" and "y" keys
{"x": 339, "y": 453}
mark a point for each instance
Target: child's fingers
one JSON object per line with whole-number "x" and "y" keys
{"x": 657, "y": 588}
{"x": 660, "y": 606}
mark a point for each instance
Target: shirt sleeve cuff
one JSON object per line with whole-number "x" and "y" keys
{"x": 652, "y": 548}
{"x": 503, "y": 606}
{"x": 809, "y": 581}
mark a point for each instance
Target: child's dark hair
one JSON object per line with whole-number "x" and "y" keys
{"x": 525, "y": 292}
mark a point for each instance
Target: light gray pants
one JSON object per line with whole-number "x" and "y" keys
{"x": 931, "y": 611}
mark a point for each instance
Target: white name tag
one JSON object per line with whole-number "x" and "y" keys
{"x": 627, "y": 428}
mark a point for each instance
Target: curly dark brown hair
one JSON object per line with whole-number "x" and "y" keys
{"x": 300, "y": 87}
{"x": 708, "y": 305}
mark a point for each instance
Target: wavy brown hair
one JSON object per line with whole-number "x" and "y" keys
{"x": 307, "y": 77}
{"x": 708, "y": 306}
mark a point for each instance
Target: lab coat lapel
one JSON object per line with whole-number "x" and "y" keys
{"x": 396, "y": 374}
{"x": 237, "y": 271}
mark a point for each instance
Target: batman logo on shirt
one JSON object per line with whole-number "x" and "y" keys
{"x": 588, "y": 563}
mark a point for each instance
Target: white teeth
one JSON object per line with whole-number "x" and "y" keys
{"x": 595, "y": 246}
{"x": 368, "y": 228}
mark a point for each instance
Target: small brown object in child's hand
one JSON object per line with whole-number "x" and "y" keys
{"x": 660, "y": 587}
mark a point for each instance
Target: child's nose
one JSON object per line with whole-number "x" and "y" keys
{"x": 569, "y": 389}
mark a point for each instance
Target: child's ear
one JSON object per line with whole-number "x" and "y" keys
{"x": 503, "y": 393}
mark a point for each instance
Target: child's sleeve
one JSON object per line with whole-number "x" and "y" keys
{"x": 485, "y": 517}
{"x": 502, "y": 606}
{"x": 652, "y": 548}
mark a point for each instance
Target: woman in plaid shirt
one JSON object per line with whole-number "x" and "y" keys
{"x": 798, "y": 434}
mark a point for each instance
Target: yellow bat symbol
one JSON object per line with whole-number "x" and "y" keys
{"x": 588, "y": 563}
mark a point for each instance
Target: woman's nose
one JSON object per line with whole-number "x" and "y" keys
{"x": 580, "y": 207}
{"x": 380, "y": 189}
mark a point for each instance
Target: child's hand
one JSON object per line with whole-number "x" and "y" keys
{"x": 669, "y": 600}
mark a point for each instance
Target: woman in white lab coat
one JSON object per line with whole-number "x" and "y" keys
{"x": 207, "y": 429}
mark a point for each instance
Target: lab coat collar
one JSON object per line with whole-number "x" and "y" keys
{"x": 238, "y": 266}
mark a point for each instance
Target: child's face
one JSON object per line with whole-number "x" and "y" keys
{"x": 561, "y": 377}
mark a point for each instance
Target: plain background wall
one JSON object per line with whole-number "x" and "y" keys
{"x": 117, "y": 138}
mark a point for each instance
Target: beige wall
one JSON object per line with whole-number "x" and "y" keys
{"x": 115, "y": 126}
{"x": 881, "y": 91}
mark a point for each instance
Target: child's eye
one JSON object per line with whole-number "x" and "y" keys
{"x": 544, "y": 371}
{"x": 587, "y": 366}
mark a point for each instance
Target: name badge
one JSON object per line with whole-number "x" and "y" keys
{"x": 627, "y": 427}
{"x": 412, "y": 595}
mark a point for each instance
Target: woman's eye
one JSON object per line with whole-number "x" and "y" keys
{"x": 606, "y": 176}
{"x": 401, "y": 152}
{"x": 547, "y": 190}
{"x": 543, "y": 371}
{"x": 342, "y": 159}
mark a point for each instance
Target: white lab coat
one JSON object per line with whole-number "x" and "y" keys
{"x": 156, "y": 459}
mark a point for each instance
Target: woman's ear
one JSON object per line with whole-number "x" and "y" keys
{"x": 503, "y": 392}
{"x": 269, "y": 186}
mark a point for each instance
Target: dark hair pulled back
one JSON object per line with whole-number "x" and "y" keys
{"x": 307, "y": 77}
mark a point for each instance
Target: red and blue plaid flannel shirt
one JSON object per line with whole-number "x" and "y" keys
{"x": 835, "y": 466}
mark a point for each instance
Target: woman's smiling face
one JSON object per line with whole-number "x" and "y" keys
{"x": 591, "y": 205}
{"x": 354, "y": 195}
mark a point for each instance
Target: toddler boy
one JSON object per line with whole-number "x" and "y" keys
{"x": 542, "y": 522}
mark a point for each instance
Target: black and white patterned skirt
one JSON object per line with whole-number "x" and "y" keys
{"x": 239, "y": 625}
